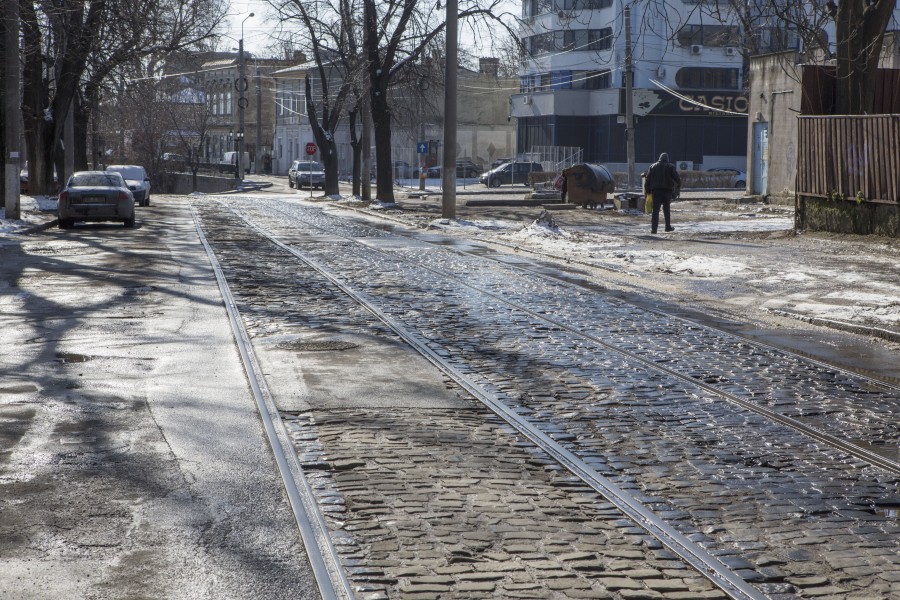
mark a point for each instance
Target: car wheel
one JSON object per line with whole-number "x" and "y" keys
{"x": 290, "y": 183}
{"x": 66, "y": 223}
{"x": 129, "y": 223}
{"x": 740, "y": 184}
{"x": 146, "y": 201}
{"x": 495, "y": 183}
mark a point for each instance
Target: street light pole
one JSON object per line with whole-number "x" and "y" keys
{"x": 448, "y": 164}
{"x": 242, "y": 101}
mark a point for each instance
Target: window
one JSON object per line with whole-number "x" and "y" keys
{"x": 570, "y": 40}
{"x": 561, "y": 80}
{"x": 707, "y": 78}
{"x": 600, "y": 39}
{"x": 709, "y": 35}
{"x": 597, "y": 80}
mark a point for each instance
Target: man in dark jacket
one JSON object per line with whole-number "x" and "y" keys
{"x": 662, "y": 177}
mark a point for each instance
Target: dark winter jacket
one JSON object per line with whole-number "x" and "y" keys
{"x": 662, "y": 175}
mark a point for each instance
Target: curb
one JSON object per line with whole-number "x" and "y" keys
{"x": 877, "y": 332}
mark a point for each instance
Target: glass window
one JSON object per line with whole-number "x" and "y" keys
{"x": 597, "y": 80}
{"x": 561, "y": 80}
{"x": 600, "y": 39}
{"x": 707, "y": 78}
{"x": 709, "y": 35}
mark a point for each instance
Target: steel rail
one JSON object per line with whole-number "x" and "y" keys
{"x": 708, "y": 565}
{"x": 755, "y": 342}
{"x": 836, "y": 442}
{"x": 323, "y": 558}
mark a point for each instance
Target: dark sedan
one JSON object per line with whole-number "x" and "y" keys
{"x": 95, "y": 196}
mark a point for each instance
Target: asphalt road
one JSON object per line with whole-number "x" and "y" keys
{"x": 133, "y": 460}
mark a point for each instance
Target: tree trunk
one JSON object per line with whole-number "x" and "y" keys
{"x": 325, "y": 142}
{"x": 859, "y": 32}
{"x": 381, "y": 122}
{"x": 356, "y": 147}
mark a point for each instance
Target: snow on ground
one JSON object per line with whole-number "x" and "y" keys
{"x": 33, "y": 211}
{"x": 839, "y": 292}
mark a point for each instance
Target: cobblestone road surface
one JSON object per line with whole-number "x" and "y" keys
{"x": 438, "y": 503}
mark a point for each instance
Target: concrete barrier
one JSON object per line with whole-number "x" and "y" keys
{"x": 182, "y": 183}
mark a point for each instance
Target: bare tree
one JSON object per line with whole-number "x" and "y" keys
{"x": 396, "y": 34}
{"x": 83, "y": 43}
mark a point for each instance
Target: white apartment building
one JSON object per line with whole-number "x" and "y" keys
{"x": 688, "y": 82}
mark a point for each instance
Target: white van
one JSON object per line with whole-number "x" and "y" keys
{"x": 228, "y": 164}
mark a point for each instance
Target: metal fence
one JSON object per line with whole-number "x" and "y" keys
{"x": 555, "y": 158}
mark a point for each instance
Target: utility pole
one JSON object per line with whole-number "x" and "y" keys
{"x": 448, "y": 165}
{"x": 629, "y": 99}
{"x": 12, "y": 110}
{"x": 242, "y": 103}
{"x": 366, "y": 141}
{"x": 258, "y": 158}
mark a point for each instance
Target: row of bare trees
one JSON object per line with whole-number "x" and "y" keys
{"x": 361, "y": 49}
{"x": 75, "y": 55}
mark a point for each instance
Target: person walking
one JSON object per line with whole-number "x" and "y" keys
{"x": 661, "y": 180}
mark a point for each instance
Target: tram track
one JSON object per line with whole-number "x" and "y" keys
{"x": 705, "y": 562}
{"x": 323, "y": 559}
{"x": 869, "y": 453}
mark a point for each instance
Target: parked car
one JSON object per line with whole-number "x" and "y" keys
{"x": 467, "y": 168}
{"x": 402, "y": 169}
{"x": 23, "y": 180}
{"x": 228, "y": 164}
{"x": 510, "y": 173}
{"x": 464, "y": 168}
{"x": 137, "y": 181}
{"x": 306, "y": 173}
{"x": 95, "y": 196}
{"x": 738, "y": 179}
{"x": 500, "y": 161}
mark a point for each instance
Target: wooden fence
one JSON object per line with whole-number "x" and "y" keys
{"x": 849, "y": 158}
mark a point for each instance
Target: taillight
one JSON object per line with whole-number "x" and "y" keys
{"x": 64, "y": 197}
{"x": 123, "y": 196}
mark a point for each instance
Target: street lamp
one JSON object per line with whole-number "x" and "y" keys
{"x": 242, "y": 101}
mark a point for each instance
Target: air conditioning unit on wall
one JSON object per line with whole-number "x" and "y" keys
{"x": 730, "y": 51}
{"x": 696, "y": 49}
{"x": 685, "y": 165}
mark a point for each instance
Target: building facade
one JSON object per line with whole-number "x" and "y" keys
{"x": 688, "y": 83}
{"x": 223, "y": 84}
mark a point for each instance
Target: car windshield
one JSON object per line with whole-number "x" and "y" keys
{"x": 97, "y": 180}
{"x": 309, "y": 166}
{"x": 136, "y": 173}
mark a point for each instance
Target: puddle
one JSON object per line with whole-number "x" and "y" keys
{"x": 22, "y": 388}
{"x": 71, "y": 357}
{"x": 77, "y": 440}
{"x": 313, "y": 346}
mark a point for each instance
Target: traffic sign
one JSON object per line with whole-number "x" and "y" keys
{"x": 310, "y": 148}
{"x": 422, "y": 147}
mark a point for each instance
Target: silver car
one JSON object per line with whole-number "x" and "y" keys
{"x": 137, "y": 180}
{"x": 305, "y": 173}
{"x": 95, "y": 196}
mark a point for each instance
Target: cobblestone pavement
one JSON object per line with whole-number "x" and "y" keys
{"x": 405, "y": 492}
